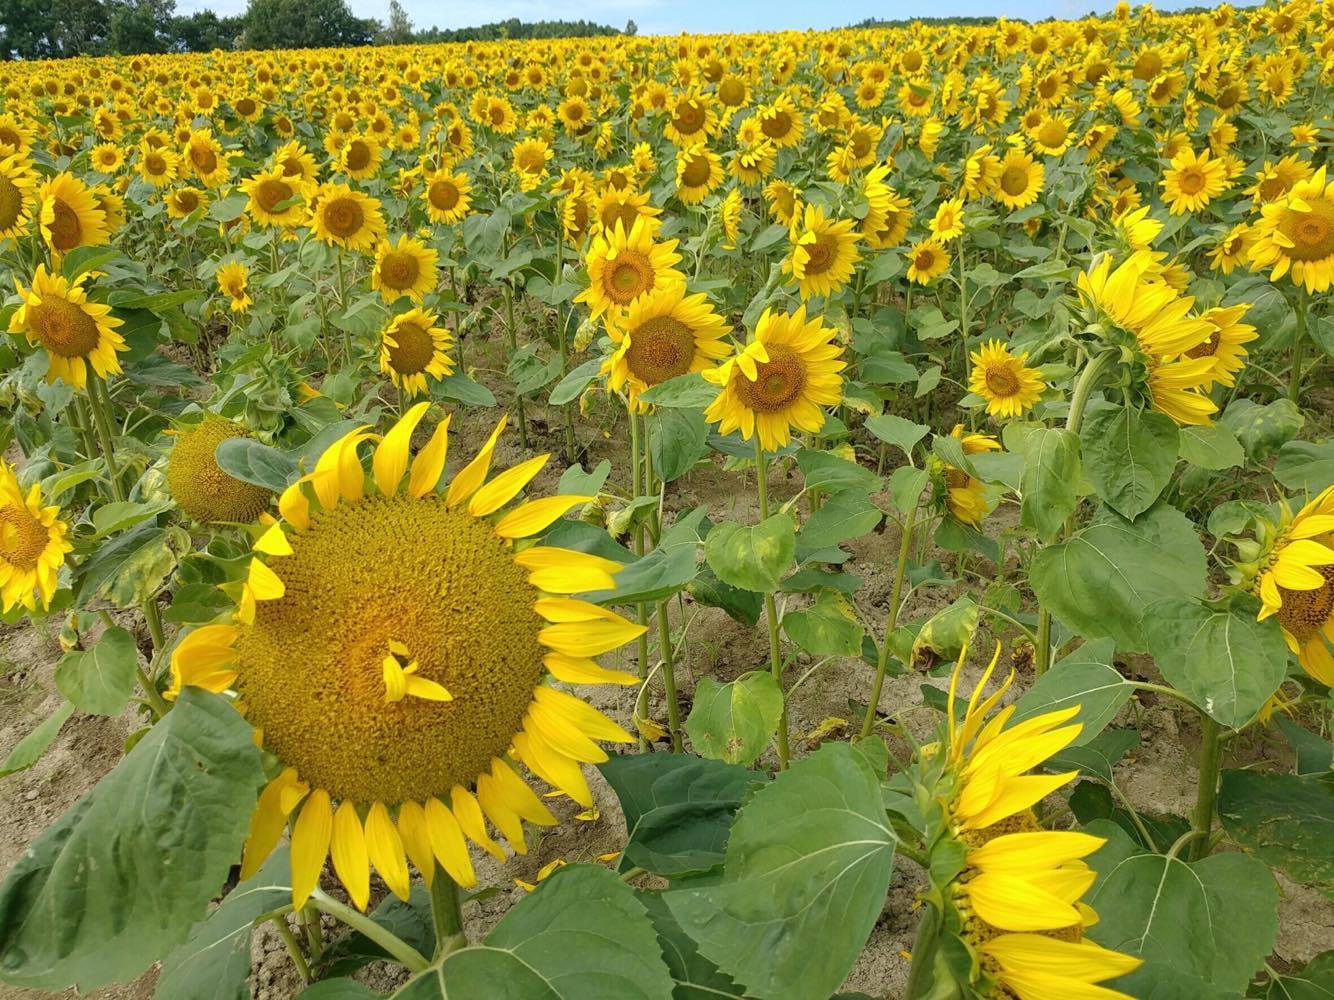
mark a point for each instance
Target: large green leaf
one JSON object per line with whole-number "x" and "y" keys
{"x": 214, "y": 961}
{"x": 100, "y": 680}
{"x": 1262, "y": 429}
{"x": 694, "y": 976}
{"x": 1101, "y": 581}
{"x": 581, "y": 936}
{"x": 1314, "y": 982}
{"x": 1285, "y": 820}
{"x": 811, "y": 854}
{"x": 124, "y": 875}
{"x": 734, "y": 722}
{"x": 826, "y": 471}
{"x": 1051, "y": 474}
{"x": 1305, "y": 467}
{"x": 253, "y": 462}
{"x": 1215, "y": 919}
{"x": 1224, "y": 660}
{"x": 752, "y": 557}
{"x": 1213, "y": 447}
{"x": 845, "y": 516}
{"x": 662, "y": 572}
{"x": 679, "y": 440}
{"x": 1088, "y": 678}
{"x": 1128, "y": 455}
{"x": 829, "y": 627}
{"x": 678, "y": 809}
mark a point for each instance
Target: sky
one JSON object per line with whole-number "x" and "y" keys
{"x": 669, "y": 17}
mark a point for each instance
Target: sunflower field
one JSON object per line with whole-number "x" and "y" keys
{"x": 787, "y": 516}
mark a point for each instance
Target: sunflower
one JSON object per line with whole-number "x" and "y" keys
{"x": 625, "y": 265}
{"x": 784, "y": 201}
{"x": 1001, "y": 379}
{"x": 55, "y": 314}
{"x": 1178, "y": 388}
{"x": 1191, "y": 182}
{"x": 1296, "y": 233}
{"x": 395, "y": 646}
{"x": 730, "y": 215}
{"x": 1018, "y": 895}
{"x": 1226, "y": 343}
{"x": 16, "y": 195}
{"x": 33, "y": 545}
{"x": 625, "y": 208}
{"x": 1019, "y": 180}
{"x": 346, "y": 218}
{"x": 158, "y": 166}
{"x": 1233, "y": 249}
{"x": 530, "y": 158}
{"x": 780, "y": 380}
{"x": 276, "y": 198}
{"x": 1052, "y": 136}
{"x": 70, "y": 217}
{"x": 1153, "y": 311}
{"x": 574, "y": 114}
{"x": 698, "y": 171}
{"x": 204, "y": 158}
{"x": 296, "y": 162}
{"x": 781, "y": 122}
{"x": 824, "y": 253}
{"x": 407, "y": 267}
{"x": 183, "y": 202}
{"x": 1296, "y": 583}
{"x": 691, "y": 118}
{"x": 965, "y": 495}
{"x": 664, "y": 334}
{"x": 927, "y": 260}
{"x": 232, "y": 279}
{"x": 414, "y": 346}
{"x": 981, "y": 172}
{"x": 197, "y": 482}
{"x": 359, "y": 157}
{"x": 107, "y": 157}
{"x": 947, "y": 224}
{"x": 448, "y": 196}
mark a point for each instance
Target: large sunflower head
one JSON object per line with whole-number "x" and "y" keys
{"x": 204, "y": 158}
{"x": 33, "y": 545}
{"x": 70, "y": 217}
{"x": 1296, "y": 234}
{"x": 55, "y": 314}
{"x": 344, "y": 217}
{"x": 413, "y": 347}
{"x": 1019, "y": 180}
{"x": 276, "y": 198}
{"x": 665, "y": 334}
{"x": 624, "y": 265}
{"x": 1191, "y": 182}
{"x": 1002, "y": 379}
{"x": 398, "y": 646}
{"x": 198, "y": 484}
{"x": 780, "y": 380}
{"x": 1227, "y": 341}
{"x": 404, "y": 268}
{"x": 824, "y": 253}
{"x": 698, "y": 171}
{"x": 448, "y": 196}
{"x": 16, "y": 195}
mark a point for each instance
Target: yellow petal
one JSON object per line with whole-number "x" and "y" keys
{"x": 589, "y": 638}
{"x": 294, "y": 506}
{"x": 581, "y": 670}
{"x": 429, "y": 464}
{"x": 391, "y": 454}
{"x": 472, "y": 475}
{"x": 1012, "y": 903}
{"x": 553, "y": 767}
{"x": 447, "y": 843}
{"x": 502, "y": 817}
{"x": 417, "y": 839}
{"x": 534, "y": 516}
{"x": 264, "y": 583}
{"x": 469, "y": 814}
{"x": 348, "y": 850}
{"x": 274, "y": 542}
{"x": 581, "y": 715}
{"x": 276, "y": 802}
{"x": 385, "y": 848}
{"x": 505, "y": 486}
{"x": 518, "y": 796}
{"x": 310, "y": 845}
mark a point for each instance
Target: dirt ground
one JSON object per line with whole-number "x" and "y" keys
{"x": 1161, "y": 779}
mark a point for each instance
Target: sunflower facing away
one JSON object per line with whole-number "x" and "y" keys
{"x": 1000, "y": 378}
{"x": 55, "y": 314}
{"x": 33, "y": 545}
{"x": 665, "y": 334}
{"x": 1296, "y": 234}
{"x": 198, "y": 484}
{"x": 1018, "y": 897}
{"x": 824, "y": 253}
{"x": 404, "y": 268}
{"x": 396, "y": 646}
{"x": 414, "y": 346}
{"x": 625, "y": 265}
{"x": 1296, "y": 583}
{"x": 780, "y": 380}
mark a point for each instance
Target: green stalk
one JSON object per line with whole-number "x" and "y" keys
{"x": 447, "y": 915}
{"x": 513, "y": 342}
{"x": 402, "y": 952}
{"x": 770, "y": 610}
{"x": 1298, "y": 345}
{"x": 293, "y": 948}
{"x": 342, "y": 307}
{"x": 1211, "y": 761}
{"x": 669, "y": 675}
{"x": 923, "y": 954}
{"x": 891, "y": 620}
{"x": 566, "y": 412}
{"x": 641, "y": 701}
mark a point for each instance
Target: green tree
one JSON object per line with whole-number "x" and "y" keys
{"x": 140, "y": 25}
{"x": 399, "y": 29}
{"x": 204, "y": 31}
{"x": 304, "y": 24}
{"x": 631, "y": 28}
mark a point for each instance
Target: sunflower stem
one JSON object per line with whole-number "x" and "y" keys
{"x": 963, "y": 332}
{"x": 641, "y": 701}
{"x": 400, "y": 950}
{"x": 891, "y": 620}
{"x": 567, "y": 415}
{"x": 342, "y": 307}
{"x": 1211, "y": 761}
{"x": 293, "y": 947}
{"x": 1298, "y": 345}
{"x": 770, "y": 611}
{"x": 513, "y": 341}
{"x": 100, "y": 403}
{"x": 923, "y": 954}
{"x": 447, "y": 915}
{"x": 669, "y": 676}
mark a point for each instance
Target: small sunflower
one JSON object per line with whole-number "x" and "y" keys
{"x": 730, "y": 215}
{"x": 927, "y": 261}
{"x": 1019, "y": 180}
{"x": 965, "y": 495}
{"x": 33, "y": 545}
{"x": 184, "y": 202}
{"x": 1296, "y": 583}
{"x": 1296, "y": 234}
{"x": 359, "y": 157}
{"x": 1191, "y": 181}
{"x": 1233, "y": 249}
{"x": 77, "y": 334}
{"x": 448, "y": 196}
{"x": 159, "y": 166}
{"x": 203, "y": 157}
{"x": 947, "y": 224}
{"x": 296, "y": 162}
{"x": 233, "y": 278}
{"x": 345, "y": 217}
{"x": 407, "y": 267}
{"x": 396, "y": 646}
{"x": 824, "y": 253}
{"x": 664, "y": 334}
{"x": 779, "y": 381}
{"x": 1226, "y": 344}
{"x": 625, "y": 265}
{"x": 107, "y": 157}
{"x": 414, "y": 346}
{"x": 1000, "y": 378}
{"x": 530, "y": 158}
{"x": 275, "y": 198}
{"x": 698, "y": 171}
{"x": 16, "y": 195}
{"x": 70, "y": 217}
{"x": 198, "y": 484}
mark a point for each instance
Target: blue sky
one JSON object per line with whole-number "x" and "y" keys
{"x": 673, "y": 16}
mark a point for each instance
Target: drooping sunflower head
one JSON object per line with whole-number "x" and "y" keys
{"x": 70, "y": 217}
{"x": 33, "y": 545}
{"x": 1295, "y": 235}
{"x": 626, "y": 264}
{"x": 16, "y": 195}
{"x": 344, "y": 217}
{"x": 415, "y": 347}
{"x": 397, "y": 644}
{"x": 1002, "y": 379}
{"x": 407, "y": 267}
{"x": 200, "y": 487}
{"x": 824, "y": 253}
{"x": 665, "y": 334}
{"x": 55, "y": 314}
{"x": 779, "y": 381}
{"x": 955, "y": 490}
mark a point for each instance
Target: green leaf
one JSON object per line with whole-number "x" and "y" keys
{"x": 689, "y": 391}
{"x": 742, "y": 605}
{"x": 1097, "y": 756}
{"x": 752, "y": 557}
{"x": 1305, "y": 467}
{"x": 1314, "y": 755}
{"x": 678, "y": 808}
{"x": 1262, "y": 429}
{"x": 825, "y": 471}
{"x": 1213, "y": 447}
{"x": 947, "y": 631}
{"x": 679, "y": 440}
{"x": 1314, "y": 982}
{"x": 1215, "y": 919}
{"x": 846, "y": 516}
{"x": 662, "y": 572}
{"x": 1101, "y": 581}
{"x": 28, "y": 751}
{"x": 124, "y": 875}
{"x": 214, "y": 961}
{"x": 1223, "y": 660}
{"x": 810, "y": 852}
{"x": 574, "y": 481}
{"x": 121, "y": 514}
{"x": 196, "y": 603}
{"x": 100, "y": 680}
{"x": 902, "y": 434}
{"x": 583, "y": 935}
{"x": 568, "y": 389}
{"x": 906, "y": 485}
{"x": 1285, "y": 820}
{"x": 1128, "y": 455}
{"x": 829, "y": 627}
{"x": 252, "y": 462}
{"x": 462, "y": 389}
{"x": 695, "y": 977}
{"x": 1051, "y": 473}
{"x": 337, "y": 989}
{"x": 734, "y": 722}
{"x": 1087, "y": 678}
{"x": 409, "y": 921}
